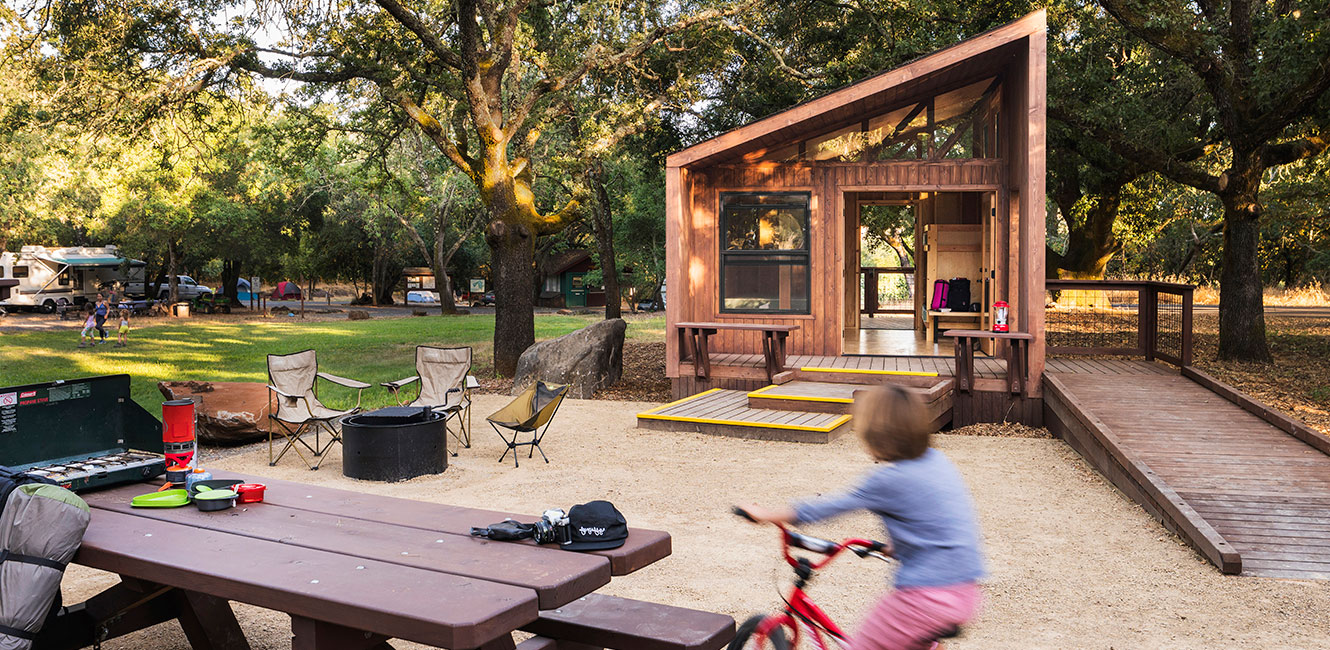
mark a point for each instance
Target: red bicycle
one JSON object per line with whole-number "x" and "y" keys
{"x": 782, "y": 630}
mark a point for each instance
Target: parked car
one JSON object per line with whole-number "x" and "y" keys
{"x": 186, "y": 289}
{"x": 422, "y": 298}
{"x": 486, "y": 299}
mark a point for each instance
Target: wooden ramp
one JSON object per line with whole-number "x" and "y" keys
{"x": 1246, "y": 486}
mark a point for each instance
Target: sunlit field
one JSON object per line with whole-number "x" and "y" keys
{"x": 372, "y": 351}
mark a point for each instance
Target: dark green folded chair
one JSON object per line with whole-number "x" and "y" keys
{"x": 527, "y": 413}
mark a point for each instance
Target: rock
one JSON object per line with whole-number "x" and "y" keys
{"x": 419, "y": 312}
{"x": 565, "y": 312}
{"x": 590, "y": 359}
{"x": 227, "y": 413}
{"x": 357, "y": 314}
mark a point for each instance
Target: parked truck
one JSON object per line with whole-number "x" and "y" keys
{"x": 45, "y": 279}
{"x": 186, "y": 288}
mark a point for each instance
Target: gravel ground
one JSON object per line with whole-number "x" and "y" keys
{"x": 1073, "y": 564}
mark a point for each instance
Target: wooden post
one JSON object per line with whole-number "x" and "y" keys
{"x": 1149, "y": 320}
{"x": 870, "y": 290}
{"x": 1186, "y": 325}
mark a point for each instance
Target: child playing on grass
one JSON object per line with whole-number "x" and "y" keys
{"x": 89, "y": 326}
{"x": 124, "y": 328}
{"x": 926, "y": 508}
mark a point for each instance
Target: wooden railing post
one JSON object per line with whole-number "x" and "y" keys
{"x": 1186, "y": 326}
{"x": 1150, "y": 320}
{"x": 870, "y": 290}
{"x": 1142, "y": 325}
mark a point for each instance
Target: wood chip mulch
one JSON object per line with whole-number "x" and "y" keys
{"x": 1298, "y": 380}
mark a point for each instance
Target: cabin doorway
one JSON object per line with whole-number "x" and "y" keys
{"x": 899, "y": 244}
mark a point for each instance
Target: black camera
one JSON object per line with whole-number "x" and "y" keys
{"x": 553, "y": 528}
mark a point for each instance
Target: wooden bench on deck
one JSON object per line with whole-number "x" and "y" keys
{"x": 1018, "y": 345}
{"x": 693, "y": 344}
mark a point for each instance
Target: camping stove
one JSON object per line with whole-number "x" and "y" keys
{"x": 123, "y": 467}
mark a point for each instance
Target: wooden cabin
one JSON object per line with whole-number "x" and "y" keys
{"x": 767, "y": 224}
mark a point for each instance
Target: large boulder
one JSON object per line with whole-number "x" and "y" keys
{"x": 590, "y": 359}
{"x": 227, "y": 413}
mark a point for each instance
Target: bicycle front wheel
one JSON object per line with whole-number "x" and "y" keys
{"x": 753, "y": 635}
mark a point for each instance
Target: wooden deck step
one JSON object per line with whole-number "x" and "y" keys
{"x": 866, "y": 376}
{"x": 809, "y": 396}
{"x": 727, "y": 413}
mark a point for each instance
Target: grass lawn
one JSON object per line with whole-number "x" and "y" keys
{"x": 372, "y": 351}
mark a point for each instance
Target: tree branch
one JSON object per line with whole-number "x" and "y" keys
{"x": 1159, "y": 161}
{"x": 413, "y": 23}
{"x": 432, "y": 130}
{"x": 1310, "y": 145}
{"x": 598, "y": 59}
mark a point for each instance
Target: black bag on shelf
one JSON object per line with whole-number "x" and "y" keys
{"x": 958, "y": 294}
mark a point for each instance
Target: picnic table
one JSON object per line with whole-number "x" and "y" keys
{"x": 354, "y": 570}
{"x": 693, "y": 344}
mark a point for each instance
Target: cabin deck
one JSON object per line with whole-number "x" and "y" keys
{"x": 1252, "y": 494}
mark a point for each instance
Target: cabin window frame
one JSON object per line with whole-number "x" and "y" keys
{"x": 806, "y": 252}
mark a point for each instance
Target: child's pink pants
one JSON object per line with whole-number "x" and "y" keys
{"x": 906, "y": 619}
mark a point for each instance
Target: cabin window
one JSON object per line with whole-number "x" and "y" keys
{"x": 764, "y": 252}
{"x": 21, "y": 271}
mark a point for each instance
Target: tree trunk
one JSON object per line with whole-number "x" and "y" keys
{"x": 1091, "y": 243}
{"x": 231, "y": 280}
{"x": 513, "y": 256}
{"x": 603, "y": 223}
{"x": 442, "y": 283}
{"x": 173, "y": 282}
{"x": 1241, "y": 307}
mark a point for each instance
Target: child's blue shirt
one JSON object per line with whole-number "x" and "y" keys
{"x": 927, "y": 510}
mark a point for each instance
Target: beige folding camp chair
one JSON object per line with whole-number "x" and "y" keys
{"x": 291, "y": 379}
{"x": 444, "y": 386}
{"x": 528, "y": 412}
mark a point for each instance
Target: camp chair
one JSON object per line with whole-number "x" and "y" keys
{"x": 528, "y": 412}
{"x": 291, "y": 378}
{"x": 444, "y": 386}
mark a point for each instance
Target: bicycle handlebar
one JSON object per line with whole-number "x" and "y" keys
{"x": 860, "y": 547}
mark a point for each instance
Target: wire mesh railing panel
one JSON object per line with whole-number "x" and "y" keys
{"x": 1170, "y": 326}
{"x": 886, "y": 290}
{"x": 1092, "y": 321}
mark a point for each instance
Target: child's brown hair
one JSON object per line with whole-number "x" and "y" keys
{"x": 891, "y": 421}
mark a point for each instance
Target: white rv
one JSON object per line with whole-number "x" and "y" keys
{"x": 46, "y": 278}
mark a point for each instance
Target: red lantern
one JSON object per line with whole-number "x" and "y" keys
{"x": 1000, "y": 316}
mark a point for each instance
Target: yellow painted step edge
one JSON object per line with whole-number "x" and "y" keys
{"x": 760, "y": 425}
{"x": 909, "y": 373}
{"x": 762, "y": 392}
{"x": 677, "y": 402}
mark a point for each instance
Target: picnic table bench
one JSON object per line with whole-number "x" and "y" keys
{"x": 693, "y": 344}
{"x": 355, "y": 570}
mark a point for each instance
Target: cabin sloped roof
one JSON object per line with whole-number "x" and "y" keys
{"x": 982, "y": 55}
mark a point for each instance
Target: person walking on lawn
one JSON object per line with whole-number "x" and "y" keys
{"x": 86, "y": 338}
{"x": 124, "y": 328}
{"x": 101, "y": 311}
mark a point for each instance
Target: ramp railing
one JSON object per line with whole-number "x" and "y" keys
{"x": 1141, "y": 318}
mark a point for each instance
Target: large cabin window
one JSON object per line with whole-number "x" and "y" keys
{"x": 764, "y": 252}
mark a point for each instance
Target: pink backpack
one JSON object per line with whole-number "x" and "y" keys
{"x": 940, "y": 290}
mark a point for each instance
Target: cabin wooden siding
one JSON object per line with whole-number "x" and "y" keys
{"x": 697, "y": 243}
{"x": 696, "y": 176}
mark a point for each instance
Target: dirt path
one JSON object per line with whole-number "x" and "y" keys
{"x": 1072, "y": 563}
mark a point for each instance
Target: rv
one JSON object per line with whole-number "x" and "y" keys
{"x": 47, "y": 278}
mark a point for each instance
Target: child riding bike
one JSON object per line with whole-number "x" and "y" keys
{"x": 927, "y": 511}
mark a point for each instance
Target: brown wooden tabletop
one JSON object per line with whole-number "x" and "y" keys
{"x": 386, "y": 567}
